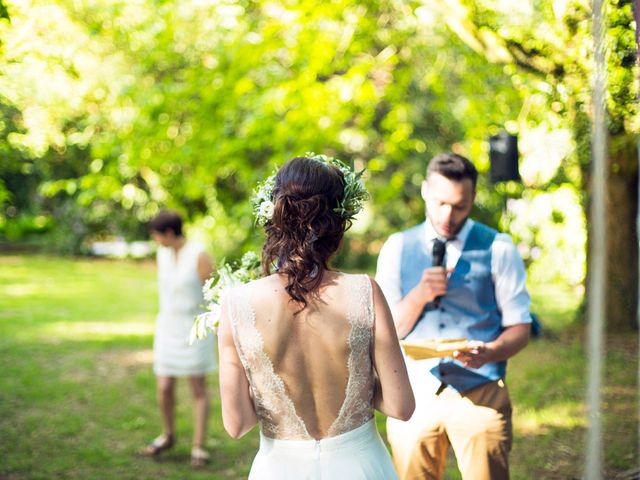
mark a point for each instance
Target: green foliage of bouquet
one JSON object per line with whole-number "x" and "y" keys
{"x": 214, "y": 289}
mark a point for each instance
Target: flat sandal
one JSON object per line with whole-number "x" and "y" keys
{"x": 199, "y": 457}
{"x": 157, "y": 446}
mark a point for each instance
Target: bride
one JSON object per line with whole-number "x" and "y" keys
{"x": 309, "y": 352}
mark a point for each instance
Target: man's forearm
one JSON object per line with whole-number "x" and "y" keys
{"x": 509, "y": 342}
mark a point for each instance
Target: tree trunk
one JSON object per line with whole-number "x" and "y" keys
{"x": 622, "y": 238}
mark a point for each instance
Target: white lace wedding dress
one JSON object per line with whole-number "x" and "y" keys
{"x": 311, "y": 431}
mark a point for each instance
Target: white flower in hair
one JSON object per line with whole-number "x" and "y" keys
{"x": 266, "y": 209}
{"x": 355, "y": 193}
{"x": 263, "y": 195}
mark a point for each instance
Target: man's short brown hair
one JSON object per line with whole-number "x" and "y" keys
{"x": 454, "y": 167}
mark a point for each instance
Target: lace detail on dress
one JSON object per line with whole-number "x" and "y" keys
{"x": 358, "y": 401}
{"x": 274, "y": 408}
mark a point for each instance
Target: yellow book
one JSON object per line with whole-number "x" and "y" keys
{"x": 433, "y": 347}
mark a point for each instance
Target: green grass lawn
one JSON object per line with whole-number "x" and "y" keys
{"x": 77, "y": 392}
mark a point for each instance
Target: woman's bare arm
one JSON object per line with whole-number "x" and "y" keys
{"x": 238, "y": 411}
{"x": 205, "y": 266}
{"x": 393, "y": 396}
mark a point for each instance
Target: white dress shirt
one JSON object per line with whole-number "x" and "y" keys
{"x": 507, "y": 270}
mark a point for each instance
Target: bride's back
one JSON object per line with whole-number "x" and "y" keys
{"x": 320, "y": 354}
{"x": 299, "y": 353}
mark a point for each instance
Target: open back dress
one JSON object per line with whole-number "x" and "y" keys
{"x": 311, "y": 426}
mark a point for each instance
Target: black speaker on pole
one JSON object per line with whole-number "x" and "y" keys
{"x": 503, "y": 153}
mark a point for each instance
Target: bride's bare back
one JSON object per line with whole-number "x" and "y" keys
{"x": 310, "y": 374}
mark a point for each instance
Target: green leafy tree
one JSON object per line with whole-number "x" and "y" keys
{"x": 552, "y": 42}
{"x": 117, "y": 109}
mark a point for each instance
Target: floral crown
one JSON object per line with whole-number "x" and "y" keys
{"x": 355, "y": 193}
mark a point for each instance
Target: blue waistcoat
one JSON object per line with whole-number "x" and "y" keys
{"x": 468, "y": 309}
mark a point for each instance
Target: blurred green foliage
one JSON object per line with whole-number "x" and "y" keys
{"x": 111, "y": 110}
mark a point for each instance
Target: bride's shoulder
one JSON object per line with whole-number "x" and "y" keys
{"x": 272, "y": 280}
{"x": 354, "y": 278}
{"x": 259, "y": 286}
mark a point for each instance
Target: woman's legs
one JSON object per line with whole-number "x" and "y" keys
{"x": 166, "y": 390}
{"x": 199, "y": 456}
{"x": 200, "y": 409}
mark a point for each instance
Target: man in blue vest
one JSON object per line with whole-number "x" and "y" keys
{"x": 477, "y": 292}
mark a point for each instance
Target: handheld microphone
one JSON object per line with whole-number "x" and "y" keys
{"x": 439, "y": 249}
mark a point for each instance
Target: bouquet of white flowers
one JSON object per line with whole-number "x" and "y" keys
{"x": 229, "y": 276}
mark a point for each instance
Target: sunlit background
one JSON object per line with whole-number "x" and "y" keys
{"x": 112, "y": 110}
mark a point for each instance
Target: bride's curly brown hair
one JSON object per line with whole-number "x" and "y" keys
{"x": 304, "y": 231}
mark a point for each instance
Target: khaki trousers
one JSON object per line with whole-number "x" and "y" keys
{"x": 476, "y": 423}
